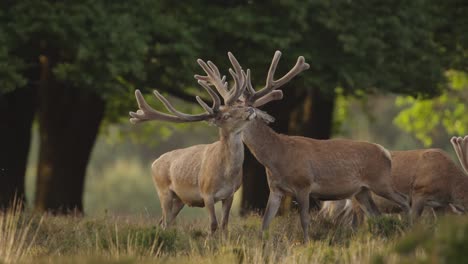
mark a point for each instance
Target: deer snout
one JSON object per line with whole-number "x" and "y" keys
{"x": 252, "y": 113}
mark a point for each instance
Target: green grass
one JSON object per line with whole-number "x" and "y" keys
{"x": 137, "y": 239}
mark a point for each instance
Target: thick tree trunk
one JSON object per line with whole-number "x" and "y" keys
{"x": 17, "y": 114}
{"x": 69, "y": 120}
{"x": 302, "y": 112}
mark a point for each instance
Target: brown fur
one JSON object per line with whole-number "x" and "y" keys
{"x": 428, "y": 176}
{"x": 303, "y": 167}
{"x": 323, "y": 169}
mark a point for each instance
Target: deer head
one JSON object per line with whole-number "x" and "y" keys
{"x": 230, "y": 116}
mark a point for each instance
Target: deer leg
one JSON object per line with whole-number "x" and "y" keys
{"x": 367, "y": 203}
{"x": 209, "y": 204}
{"x": 417, "y": 207}
{"x": 387, "y": 192}
{"x": 177, "y": 205}
{"x": 274, "y": 202}
{"x": 166, "y": 205}
{"x": 303, "y": 200}
{"x": 227, "y": 203}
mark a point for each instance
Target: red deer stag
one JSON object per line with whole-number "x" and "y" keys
{"x": 305, "y": 167}
{"x": 202, "y": 175}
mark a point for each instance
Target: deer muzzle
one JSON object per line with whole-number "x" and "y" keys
{"x": 252, "y": 113}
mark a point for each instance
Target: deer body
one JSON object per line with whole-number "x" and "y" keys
{"x": 202, "y": 175}
{"x": 323, "y": 169}
{"x": 428, "y": 176}
{"x": 311, "y": 165}
{"x": 203, "y": 170}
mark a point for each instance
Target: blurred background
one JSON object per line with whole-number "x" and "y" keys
{"x": 390, "y": 72}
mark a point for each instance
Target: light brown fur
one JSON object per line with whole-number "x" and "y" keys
{"x": 204, "y": 174}
{"x": 323, "y": 169}
{"x": 428, "y": 176}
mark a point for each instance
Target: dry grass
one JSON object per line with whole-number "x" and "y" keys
{"x": 17, "y": 234}
{"x": 135, "y": 239}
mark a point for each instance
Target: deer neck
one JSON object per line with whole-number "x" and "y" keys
{"x": 233, "y": 148}
{"x": 262, "y": 141}
{"x": 460, "y": 190}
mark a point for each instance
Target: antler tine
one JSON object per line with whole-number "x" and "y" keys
{"x": 272, "y": 84}
{"x": 464, "y": 147}
{"x": 456, "y": 147}
{"x": 146, "y": 112}
{"x": 272, "y": 96}
{"x": 460, "y": 145}
{"x": 214, "y": 96}
{"x": 239, "y": 77}
{"x": 214, "y": 77}
{"x": 188, "y": 117}
{"x": 249, "y": 89}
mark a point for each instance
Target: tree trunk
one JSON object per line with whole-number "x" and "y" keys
{"x": 17, "y": 113}
{"x": 318, "y": 115}
{"x": 301, "y": 112}
{"x": 69, "y": 120}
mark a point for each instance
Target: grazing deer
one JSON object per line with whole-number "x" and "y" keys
{"x": 202, "y": 175}
{"x": 323, "y": 169}
{"x": 428, "y": 176}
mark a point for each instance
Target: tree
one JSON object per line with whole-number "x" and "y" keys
{"x": 426, "y": 118}
{"x": 82, "y": 56}
{"x": 16, "y": 112}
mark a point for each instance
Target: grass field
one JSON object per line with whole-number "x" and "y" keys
{"x": 29, "y": 238}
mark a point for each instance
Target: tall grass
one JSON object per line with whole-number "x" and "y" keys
{"x": 17, "y": 234}
{"x": 137, "y": 239}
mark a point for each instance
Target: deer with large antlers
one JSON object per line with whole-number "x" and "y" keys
{"x": 305, "y": 167}
{"x": 202, "y": 175}
{"x": 428, "y": 176}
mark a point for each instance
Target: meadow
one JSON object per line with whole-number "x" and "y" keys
{"x": 122, "y": 211}
{"x": 29, "y": 238}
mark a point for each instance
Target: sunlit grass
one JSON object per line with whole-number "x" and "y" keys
{"x": 17, "y": 234}
{"x": 27, "y": 238}
{"x": 136, "y": 239}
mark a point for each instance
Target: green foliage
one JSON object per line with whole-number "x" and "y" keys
{"x": 446, "y": 243}
{"x": 358, "y": 45}
{"x": 387, "y": 46}
{"x": 425, "y": 118}
{"x": 89, "y": 43}
{"x": 10, "y": 65}
{"x": 341, "y": 111}
{"x": 385, "y": 226}
{"x": 107, "y": 47}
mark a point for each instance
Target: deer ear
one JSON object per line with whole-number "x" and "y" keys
{"x": 264, "y": 116}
